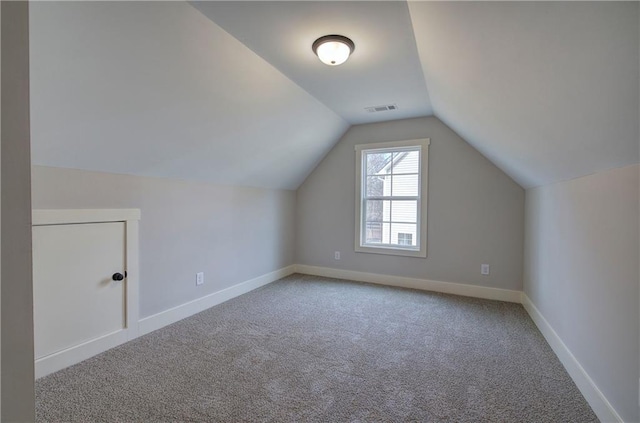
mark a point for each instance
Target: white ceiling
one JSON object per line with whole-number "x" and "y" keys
{"x": 384, "y": 68}
{"x": 548, "y": 91}
{"x": 156, "y": 89}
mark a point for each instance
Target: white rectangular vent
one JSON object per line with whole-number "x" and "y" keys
{"x": 384, "y": 108}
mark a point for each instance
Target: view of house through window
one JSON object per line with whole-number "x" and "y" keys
{"x": 405, "y": 239}
{"x": 390, "y": 196}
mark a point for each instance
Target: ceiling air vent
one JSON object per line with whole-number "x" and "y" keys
{"x": 384, "y": 108}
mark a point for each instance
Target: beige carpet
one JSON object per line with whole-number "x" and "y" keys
{"x": 315, "y": 349}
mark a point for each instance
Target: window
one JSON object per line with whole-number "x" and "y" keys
{"x": 405, "y": 239}
{"x": 391, "y": 192}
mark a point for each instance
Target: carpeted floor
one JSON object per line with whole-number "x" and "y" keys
{"x": 315, "y": 349}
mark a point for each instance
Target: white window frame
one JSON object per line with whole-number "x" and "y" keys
{"x": 421, "y": 249}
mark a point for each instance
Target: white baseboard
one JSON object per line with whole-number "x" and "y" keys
{"x": 70, "y": 356}
{"x": 415, "y": 283}
{"x": 172, "y": 315}
{"x": 60, "y": 360}
{"x": 596, "y": 399}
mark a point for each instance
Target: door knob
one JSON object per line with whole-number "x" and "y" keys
{"x": 117, "y": 276}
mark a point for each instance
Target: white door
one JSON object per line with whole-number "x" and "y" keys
{"x": 76, "y": 297}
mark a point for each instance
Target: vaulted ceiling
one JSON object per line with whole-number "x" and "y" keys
{"x": 231, "y": 92}
{"x": 548, "y": 91}
{"x": 384, "y": 69}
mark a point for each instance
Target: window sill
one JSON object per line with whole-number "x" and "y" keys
{"x": 391, "y": 251}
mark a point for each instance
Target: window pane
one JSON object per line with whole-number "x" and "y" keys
{"x": 378, "y": 186}
{"x": 373, "y": 233}
{"x": 386, "y": 211}
{"x": 406, "y": 162}
{"x": 386, "y": 233}
{"x": 405, "y": 185}
{"x": 378, "y": 163}
{"x": 375, "y": 210}
{"x": 405, "y": 238}
{"x": 404, "y": 211}
{"x": 404, "y": 234}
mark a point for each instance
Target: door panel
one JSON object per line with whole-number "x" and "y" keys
{"x": 75, "y": 298}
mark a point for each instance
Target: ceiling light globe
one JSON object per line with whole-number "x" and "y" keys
{"x": 333, "y": 50}
{"x": 333, "y": 53}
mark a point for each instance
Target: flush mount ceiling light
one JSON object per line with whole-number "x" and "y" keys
{"x": 333, "y": 50}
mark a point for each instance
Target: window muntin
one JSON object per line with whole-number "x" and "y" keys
{"x": 390, "y": 199}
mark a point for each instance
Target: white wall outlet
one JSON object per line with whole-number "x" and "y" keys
{"x": 336, "y": 255}
{"x": 484, "y": 269}
{"x": 199, "y": 278}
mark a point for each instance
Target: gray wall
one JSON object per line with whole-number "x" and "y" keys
{"x": 231, "y": 233}
{"x": 581, "y": 272}
{"x": 475, "y": 211}
{"x": 17, "y": 301}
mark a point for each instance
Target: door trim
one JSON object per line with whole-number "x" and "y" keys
{"x": 71, "y": 216}
{"x": 130, "y": 217}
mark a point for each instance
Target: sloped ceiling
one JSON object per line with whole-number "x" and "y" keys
{"x": 383, "y": 69}
{"x": 548, "y": 91}
{"x": 156, "y": 89}
{"x": 230, "y": 92}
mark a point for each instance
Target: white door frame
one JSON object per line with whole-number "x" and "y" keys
{"x": 130, "y": 218}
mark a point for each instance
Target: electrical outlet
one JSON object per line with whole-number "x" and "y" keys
{"x": 336, "y": 255}
{"x": 199, "y": 278}
{"x": 484, "y": 269}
